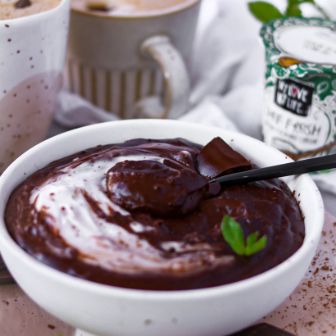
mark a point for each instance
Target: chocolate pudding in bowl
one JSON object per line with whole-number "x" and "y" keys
{"x": 138, "y": 213}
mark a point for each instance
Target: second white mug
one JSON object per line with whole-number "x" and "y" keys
{"x": 137, "y": 65}
{"x": 32, "y": 55}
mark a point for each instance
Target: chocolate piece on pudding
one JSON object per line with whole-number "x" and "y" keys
{"x": 135, "y": 215}
{"x": 217, "y": 158}
{"x": 263, "y": 330}
{"x": 163, "y": 188}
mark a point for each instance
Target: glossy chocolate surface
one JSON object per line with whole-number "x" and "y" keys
{"x": 140, "y": 215}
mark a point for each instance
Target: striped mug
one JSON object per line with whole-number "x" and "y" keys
{"x": 135, "y": 66}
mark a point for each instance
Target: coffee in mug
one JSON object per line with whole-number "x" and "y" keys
{"x": 11, "y": 9}
{"x": 128, "y": 7}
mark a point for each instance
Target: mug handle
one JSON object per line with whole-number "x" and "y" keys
{"x": 176, "y": 78}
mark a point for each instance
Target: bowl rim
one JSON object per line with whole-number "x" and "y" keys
{"x": 7, "y": 242}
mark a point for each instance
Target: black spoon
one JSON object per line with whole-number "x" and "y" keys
{"x": 287, "y": 169}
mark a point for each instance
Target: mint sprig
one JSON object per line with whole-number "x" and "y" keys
{"x": 265, "y": 11}
{"x": 234, "y": 235}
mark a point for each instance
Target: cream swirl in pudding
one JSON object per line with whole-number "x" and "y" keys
{"x": 141, "y": 215}
{"x": 80, "y": 192}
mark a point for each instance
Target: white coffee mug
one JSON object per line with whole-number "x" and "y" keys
{"x": 32, "y": 54}
{"x": 135, "y": 66}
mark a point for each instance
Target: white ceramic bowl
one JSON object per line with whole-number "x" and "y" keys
{"x": 111, "y": 311}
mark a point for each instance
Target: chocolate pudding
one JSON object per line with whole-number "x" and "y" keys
{"x": 142, "y": 215}
{"x": 12, "y": 9}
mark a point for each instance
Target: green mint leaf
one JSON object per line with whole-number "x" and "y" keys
{"x": 251, "y": 239}
{"x": 233, "y": 235}
{"x": 293, "y": 10}
{"x": 257, "y": 246}
{"x": 264, "y": 11}
{"x": 293, "y": 2}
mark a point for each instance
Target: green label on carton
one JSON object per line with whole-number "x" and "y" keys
{"x": 300, "y": 91}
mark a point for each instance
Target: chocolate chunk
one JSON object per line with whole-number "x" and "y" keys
{"x": 22, "y": 3}
{"x": 263, "y": 330}
{"x": 217, "y": 158}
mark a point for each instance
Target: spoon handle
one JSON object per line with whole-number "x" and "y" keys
{"x": 287, "y": 169}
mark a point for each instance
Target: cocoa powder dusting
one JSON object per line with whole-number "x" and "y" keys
{"x": 311, "y": 309}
